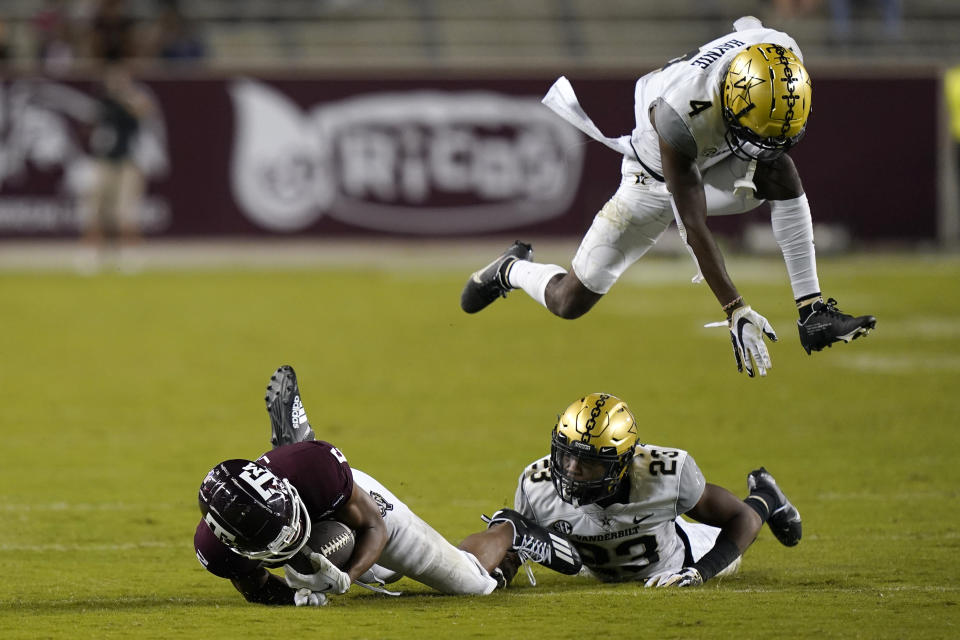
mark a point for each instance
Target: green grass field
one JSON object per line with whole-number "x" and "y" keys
{"x": 118, "y": 393}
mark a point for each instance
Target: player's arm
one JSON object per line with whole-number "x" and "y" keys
{"x": 677, "y": 155}
{"x": 686, "y": 185}
{"x": 738, "y": 525}
{"x": 248, "y": 576}
{"x": 263, "y": 587}
{"x": 715, "y": 506}
{"x": 362, "y": 514}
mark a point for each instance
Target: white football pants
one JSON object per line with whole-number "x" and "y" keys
{"x": 415, "y": 550}
{"x": 639, "y": 212}
{"x": 702, "y": 537}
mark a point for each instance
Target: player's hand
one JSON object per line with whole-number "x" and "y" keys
{"x": 747, "y": 328}
{"x": 688, "y": 577}
{"x": 327, "y": 578}
{"x": 307, "y": 598}
{"x": 657, "y": 577}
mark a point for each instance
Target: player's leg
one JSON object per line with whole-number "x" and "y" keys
{"x": 725, "y": 188}
{"x": 288, "y": 418}
{"x": 111, "y": 200}
{"x": 418, "y": 551}
{"x": 92, "y": 204}
{"x": 559, "y": 290}
{"x": 621, "y": 233}
{"x": 549, "y": 284}
{"x": 770, "y": 505}
{"x": 700, "y": 539}
{"x": 489, "y": 283}
{"x": 130, "y": 187}
{"x": 769, "y": 501}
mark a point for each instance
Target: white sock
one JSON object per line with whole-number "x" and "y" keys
{"x": 533, "y": 277}
{"x": 793, "y": 230}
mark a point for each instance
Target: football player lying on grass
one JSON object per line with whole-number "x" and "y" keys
{"x": 260, "y": 514}
{"x": 619, "y": 502}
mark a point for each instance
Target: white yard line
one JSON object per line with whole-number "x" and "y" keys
{"x": 913, "y": 363}
{"x": 89, "y": 506}
{"x": 93, "y": 546}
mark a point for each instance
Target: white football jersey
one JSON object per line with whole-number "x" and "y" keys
{"x": 685, "y": 94}
{"x": 631, "y": 541}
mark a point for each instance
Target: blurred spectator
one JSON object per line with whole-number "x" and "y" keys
{"x": 175, "y": 39}
{"x": 113, "y": 32}
{"x": 787, "y": 9}
{"x": 842, "y": 14}
{"x": 5, "y": 51}
{"x": 55, "y": 37}
{"x": 112, "y": 207}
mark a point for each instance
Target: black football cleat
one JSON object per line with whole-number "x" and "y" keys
{"x": 826, "y": 324}
{"x": 288, "y": 419}
{"x": 784, "y": 519}
{"x": 533, "y": 542}
{"x": 490, "y": 283}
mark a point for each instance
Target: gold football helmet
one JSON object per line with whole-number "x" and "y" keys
{"x": 765, "y": 101}
{"x": 591, "y": 449}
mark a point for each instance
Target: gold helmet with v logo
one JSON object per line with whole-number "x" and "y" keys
{"x": 592, "y": 446}
{"x": 766, "y": 97}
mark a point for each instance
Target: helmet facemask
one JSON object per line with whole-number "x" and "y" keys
{"x": 747, "y": 145}
{"x": 582, "y": 475}
{"x": 292, "y": 536}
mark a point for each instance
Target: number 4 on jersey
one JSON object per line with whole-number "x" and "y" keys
{"x": 698, "y": 106}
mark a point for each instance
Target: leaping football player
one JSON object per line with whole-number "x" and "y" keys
{"x": 713, "y": 128}
{"x": 257, "y": 514}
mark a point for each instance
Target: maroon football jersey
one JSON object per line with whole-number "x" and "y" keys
{"x": 318, "y": 471}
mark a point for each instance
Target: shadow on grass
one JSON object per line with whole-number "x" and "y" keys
{"x": 412, "y": 595}
{"x": 90, "y": 605}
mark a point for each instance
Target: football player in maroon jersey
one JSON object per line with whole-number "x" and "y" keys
{"x": 258, "y": 515}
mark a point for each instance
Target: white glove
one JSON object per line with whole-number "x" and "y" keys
{"x": 688, "y": 577}
{"x": 326, "y": 579}
{"x": 307, "y": 598}
{"x": 747, "y": 328}
{"x": 657, "y": 577}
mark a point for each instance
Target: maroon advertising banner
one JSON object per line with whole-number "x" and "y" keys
{"x": 320, "y": 156}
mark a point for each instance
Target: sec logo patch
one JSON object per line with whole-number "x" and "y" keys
{"x": 562, "y": 526}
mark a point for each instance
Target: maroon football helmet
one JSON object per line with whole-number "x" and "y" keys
{"x": 254, "y": 512}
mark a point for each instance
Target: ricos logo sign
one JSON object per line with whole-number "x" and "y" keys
{"x": 421, "y": 162}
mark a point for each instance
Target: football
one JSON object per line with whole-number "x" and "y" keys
{"x": 330, "y": 538}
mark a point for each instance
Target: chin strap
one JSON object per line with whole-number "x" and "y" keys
{"x": 746, "y": 183}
